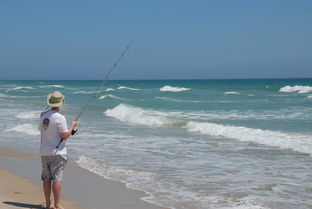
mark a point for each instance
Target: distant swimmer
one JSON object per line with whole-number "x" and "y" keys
{"x": 53, "y": 129}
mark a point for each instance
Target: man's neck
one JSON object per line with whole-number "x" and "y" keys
{"x": 56, "y": 108}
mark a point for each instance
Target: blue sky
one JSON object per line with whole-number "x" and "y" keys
{"x": 174, "y": 39}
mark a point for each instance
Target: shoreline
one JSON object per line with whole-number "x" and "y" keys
{"x": 82, "y": 189}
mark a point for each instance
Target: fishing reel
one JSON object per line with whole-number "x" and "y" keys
{"x": 74, "y": 131}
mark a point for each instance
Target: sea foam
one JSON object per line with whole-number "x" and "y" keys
{"x": 176, "y": 100}
{"x": 160, "y": 192}
{"x": 299, "y": 89}
{"x": 125, "y": 87}
{"x": 110, "y": 96}
{"x": 138, "y": 116}
{"x": 296, "y": 142}
{"x": 231, "y": 92}
{"x": 20, "y": 88}
{"x": 26, "y": 128}
{"x": 173, "y": 89}
{"x": 109, "y": 89}
{"x": 52, "y": 86}
{"x": 83, "y": 92}
{"x": 28, "y": 115}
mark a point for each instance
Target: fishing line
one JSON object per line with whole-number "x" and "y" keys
{"x": 103, "y": 82}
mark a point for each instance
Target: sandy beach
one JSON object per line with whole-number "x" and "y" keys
{"x": 21, "y": 186}
{"x": 17, "y": 192}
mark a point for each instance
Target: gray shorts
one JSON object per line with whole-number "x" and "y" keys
{"x": 53, "y": 167}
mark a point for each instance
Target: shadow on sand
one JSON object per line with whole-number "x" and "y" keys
{"x": 24, "y": 205}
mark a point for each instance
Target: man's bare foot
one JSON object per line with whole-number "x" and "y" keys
{"x": 48, "y": 204}
{"x": 59, "y": 207}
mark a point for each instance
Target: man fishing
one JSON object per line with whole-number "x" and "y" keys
{"x": 54, "y": 133}
{"x": 53, "y": 128}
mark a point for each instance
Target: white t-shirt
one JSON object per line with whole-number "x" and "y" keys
{"x": 51, "y": 124}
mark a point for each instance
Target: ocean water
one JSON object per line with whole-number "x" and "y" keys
{"x": 189, "y": 144}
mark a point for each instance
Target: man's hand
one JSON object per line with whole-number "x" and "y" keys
{"x": 74, "y": 123}
{"x": 67, "y": 134}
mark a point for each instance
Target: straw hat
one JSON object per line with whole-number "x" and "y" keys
{"x": 55, "y": 99}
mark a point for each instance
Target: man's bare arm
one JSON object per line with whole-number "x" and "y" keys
{"x": 67, "y": 134}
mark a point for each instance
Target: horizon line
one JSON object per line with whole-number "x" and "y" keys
{"x": 160, "y": 79}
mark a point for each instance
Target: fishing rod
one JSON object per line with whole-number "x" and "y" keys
{"x": 98, "y": 88}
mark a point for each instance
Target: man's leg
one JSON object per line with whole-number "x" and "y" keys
{"x": 57, "y": 187}
{"x": 59, "y": 165}
{"x": 47, "y": 193}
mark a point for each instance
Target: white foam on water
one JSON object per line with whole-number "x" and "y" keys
{"x": 291, "y": 113}
{"x": 159, "y": 191}
{"x": 243, "y": 205}
{"x": 231, "y": 92}
{"x": 109, "y": 89}
{"x": 138, "y": 116}
{"x": 26, "y": 128}
{"x": 284, "y": 95}
{"x": 110, "y": 96}
{"x": 83, "y": 92}
{"x": 310, "y": 97}
{"x": 52, "y": 86}
{"x": 125, "y": 87}
{"x": 20, "y": 88}
{"x": 28, "y": 115}
{"x": 295, "y": 142}
{"x": 153, "y": 151}
{"x": 123, "y": 110}
{"x": 103, "y": 97}
{"x": 19, "y": 97}
{"x": 176, "y": 100}
{"x": 173, "y": 89}
{"x": 297, "y": 88}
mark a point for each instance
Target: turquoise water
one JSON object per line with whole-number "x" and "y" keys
{"x": 186, "y": 143}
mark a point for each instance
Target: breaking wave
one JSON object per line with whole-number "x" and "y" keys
{"x": 231, "y": 92}
{"x": 52, "y": 86}
{"x": 83, "y": 92}
{"x": 175, "y": 100}
{"x": 125, "y": 87}
{"x": 299, "y": 89}
{"x": 110, "y": 96}
{"x": 299, "y": 143}
{"x": 140, "y": 116}
{"x": 290, "y": 113}
{"x": 109, "y": 89}
{"x": 173, "y": 89}
{"x": 20, "y": 88}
